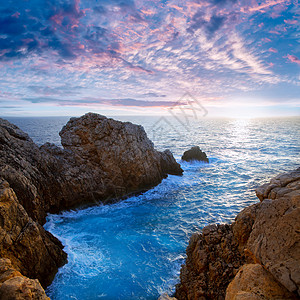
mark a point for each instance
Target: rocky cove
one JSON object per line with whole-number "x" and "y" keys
{"x": 103, "y": 160}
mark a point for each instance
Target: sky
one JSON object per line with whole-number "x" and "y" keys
{"x": 135, "y": 57}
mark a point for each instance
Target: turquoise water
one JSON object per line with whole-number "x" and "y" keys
{"x": 134, "y": 249}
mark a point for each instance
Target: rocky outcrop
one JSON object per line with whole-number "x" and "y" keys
{"x": 259, "y": 253}
{"x": 275, "y": 237}
{"x": 15, "y": 286}
{"x": 32, "y": 250}
{"x": 195, "y": 153}
{"x": 102, "y": 160}
{"x": 212, "y": 261}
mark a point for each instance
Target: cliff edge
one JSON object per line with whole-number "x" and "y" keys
{"x": 256, "y": 257}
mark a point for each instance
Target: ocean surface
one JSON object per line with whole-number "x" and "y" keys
{"x": 134, "y": 249}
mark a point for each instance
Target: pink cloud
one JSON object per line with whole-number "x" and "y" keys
{"x": 148, "y": 12}
{"x": 274, "y": 31}
{"x": 176, "y": 7}
{"x": 293, "y": 59}
{"x": 273, "y": 50}
{"x": 16, "y": 15}
{"x": 290, "y": 21}
{"x": 262, "y": 7}
{"x": 266, "y": 40}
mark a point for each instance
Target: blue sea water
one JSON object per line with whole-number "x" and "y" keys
{"x": 134, "y": 249}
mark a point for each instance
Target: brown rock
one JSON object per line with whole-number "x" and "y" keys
{"x": 15, "y": 286}
{"x": 103, "y": 160}
{"x": 32, "y": 250}
{"x": 254, "y": 282}
{"x": 265, "y": 233}
{"x": 275, "y": 240}
{"x": 243, "y": 224}
{"x": 209, "y": 266}
{"x": 166, "y": 297}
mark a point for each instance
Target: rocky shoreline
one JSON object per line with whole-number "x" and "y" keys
{"x": 102, "y": 161}
{"x": 256, "y": 257}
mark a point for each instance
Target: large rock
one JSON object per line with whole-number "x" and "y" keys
{"x": 275, "y": 237}
{"x": 114, "y": 158}
{"x": 264, "y": 235}
{"x": 103, "y": 160}
{"x": 195, "y": 153}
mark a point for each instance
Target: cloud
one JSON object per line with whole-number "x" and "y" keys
{"x": 153, "y": 95}
{"x": 210, "y": 26}
{"x": 65, "y": 27}
{"x": 293, "y": 59}
{"x": 223, "y": 2}
{"x": 273, "y": 50}
{"x": 130, "y": 102}
{"x": 291, "y": 22}
{"x": 132, "y": 51}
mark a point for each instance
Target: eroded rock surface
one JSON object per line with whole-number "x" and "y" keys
{"x": 15, "y": 286}
{"x": 212, "y": 261}
{"x": 265, "y": 238}
{"x": 275, "y": 237}
{"x": 31, "y": 249}
{"x": 253, "y": 282}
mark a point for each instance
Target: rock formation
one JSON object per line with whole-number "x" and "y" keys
{"x": 15, "y": 286}
{"x": 256, "y": 257}
{"x": 195, "y": 153}
{"x": 103, "y": 160}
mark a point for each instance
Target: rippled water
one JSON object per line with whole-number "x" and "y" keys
{"x": 134, "y": 249}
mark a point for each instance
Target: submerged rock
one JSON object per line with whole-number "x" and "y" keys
{"x": 102, "y": 160}
{"x": 195, "y": 153}
{"x": 264, "y": 239}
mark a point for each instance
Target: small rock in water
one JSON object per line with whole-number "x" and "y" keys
{"x": 194, "y": 153}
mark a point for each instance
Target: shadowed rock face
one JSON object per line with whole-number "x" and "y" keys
{"x": 115, "y": 158}
{"x": 264, "y": 239}
{"x": 31, "y": 249}
{"x": 103, "y": 160}
{"x": 195, "y": 153}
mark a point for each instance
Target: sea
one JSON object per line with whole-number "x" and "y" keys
{"x": 134, "y": 249}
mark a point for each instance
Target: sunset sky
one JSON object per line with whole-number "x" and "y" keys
{"x": 237, "y": 58}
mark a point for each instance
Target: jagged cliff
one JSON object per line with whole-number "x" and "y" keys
{"x": 256, "y": 257}
{"x": 102, "y": 160}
